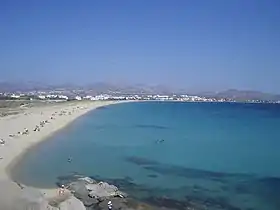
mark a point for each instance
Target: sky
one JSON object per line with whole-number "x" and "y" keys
{"x": 192, "y": 44}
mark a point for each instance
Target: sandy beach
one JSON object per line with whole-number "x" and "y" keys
{"x": 31, "y": 125}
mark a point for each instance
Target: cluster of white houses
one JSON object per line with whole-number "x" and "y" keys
{"x": 59, "y": 97}
{"x": 107, "y": 97}
{"x": 41, "y": 96}
{"x": 79, "y": 98}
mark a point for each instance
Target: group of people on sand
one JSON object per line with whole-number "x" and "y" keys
{"x": 26, "y": 131}
{"x": 41, "y": 124}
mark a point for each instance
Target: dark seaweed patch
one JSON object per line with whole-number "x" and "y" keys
{"x": 273, "y": 183}
{"x": 242, "y": 188}
{"x": 152, "y": 176}
{"x": 168, "y": 203}
{"x": 141, "y": 161}
{"x": 192, "y": 173}
{"x": 225, "y": 188}
{"x": 158, "y": 127}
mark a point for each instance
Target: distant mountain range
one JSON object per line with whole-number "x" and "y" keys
{"x": 241, "y": 95}
{"x": 97, "y": 88}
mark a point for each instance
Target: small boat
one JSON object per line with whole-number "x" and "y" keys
{"x": 69, "y": 160}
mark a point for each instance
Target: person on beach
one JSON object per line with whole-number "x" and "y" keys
{"x": 61, "y": 190}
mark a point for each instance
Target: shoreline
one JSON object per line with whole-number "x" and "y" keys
{"x": 58, "y": 116}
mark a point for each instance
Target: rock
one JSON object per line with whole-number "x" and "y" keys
{"x": 93, "y": 194}
{"x": 101, "y": 189}
{"x": 80, "y": 191}
{"x": 104, "y": 189}
{"x": 72, "y": 204}
{"x": 88, "y": 201}
{"x": 87, "y": 180}
{"x": 78, "y": 188}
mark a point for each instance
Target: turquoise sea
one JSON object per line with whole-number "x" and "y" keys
{"x": 223, "y": 155}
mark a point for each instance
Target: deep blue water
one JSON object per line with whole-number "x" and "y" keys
{"x": 223, "y": 153}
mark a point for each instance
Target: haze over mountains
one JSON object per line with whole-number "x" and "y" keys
{"x": 98, "y": 87}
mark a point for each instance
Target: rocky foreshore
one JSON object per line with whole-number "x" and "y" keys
{"x": 96, "y": 195}
{"x": 83, "y": 193}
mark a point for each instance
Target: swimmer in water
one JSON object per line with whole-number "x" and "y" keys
{"x": 160, "y": 141}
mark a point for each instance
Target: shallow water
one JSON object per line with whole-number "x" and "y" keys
{"x": 222, "y": 155}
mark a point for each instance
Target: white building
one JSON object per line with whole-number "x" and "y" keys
{"x": 15, "y": 96}
{"x": 63, "y": 97}
{"x": 87, "y": 97}
{"x": 42, "y": 97}
{"x": 78, "y": 98}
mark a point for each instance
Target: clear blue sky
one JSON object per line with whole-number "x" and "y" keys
{"x": 193, "y": 44}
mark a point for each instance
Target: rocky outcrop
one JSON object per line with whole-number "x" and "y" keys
{"x": 87, "y": 187}
{"x": 103, "y": 190}
{"x": 95, "y": 195}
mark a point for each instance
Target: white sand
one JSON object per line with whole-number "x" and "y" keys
{"x": 14, "y": 147}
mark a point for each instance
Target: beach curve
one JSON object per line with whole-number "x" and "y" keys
{"x": 33, "y": 125}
